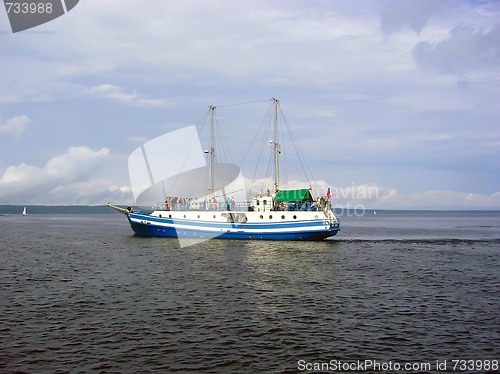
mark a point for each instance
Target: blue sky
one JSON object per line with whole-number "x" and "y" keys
{"x": 397, "y": 97}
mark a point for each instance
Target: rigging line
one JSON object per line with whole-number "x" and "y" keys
{"x": 199, "y": 122}
{"x": 268, "y": 177}
{"x": 263, "y": 131}
{"x": 223, "y": 145}
{"x": 297, "y": 149}
{"x": 262, "y": 124}
{"x": 283, "y": 154}
{"x": 268, "y": 180}
{"x": 193, "y": 143}
{"x": 222, "y": 151}
{"x": 229, "y": 193}
{"x": 245, "y": 103}
{"x": 266, "y": 132}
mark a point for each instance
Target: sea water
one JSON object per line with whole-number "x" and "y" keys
{"x": 80, "y": 294}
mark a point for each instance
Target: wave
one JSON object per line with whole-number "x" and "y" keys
{"x": 435, "y": 241}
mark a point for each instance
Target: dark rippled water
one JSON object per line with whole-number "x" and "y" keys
{"x": 79, "y": 293}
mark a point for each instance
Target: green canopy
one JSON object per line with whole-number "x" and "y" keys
{"x": 293, "y": 195}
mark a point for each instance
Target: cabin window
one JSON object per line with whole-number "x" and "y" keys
{"x": 264, "y": 202}
{"x": 258, "y": 202}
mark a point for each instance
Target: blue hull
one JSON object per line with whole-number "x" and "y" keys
{"x": 230, "y": 231}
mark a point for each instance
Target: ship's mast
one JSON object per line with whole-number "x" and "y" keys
{"x": 212, "y": 149}
{"x": 276, "y": 146}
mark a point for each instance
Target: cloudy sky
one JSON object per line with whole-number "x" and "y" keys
{"x": 395, "y": 104}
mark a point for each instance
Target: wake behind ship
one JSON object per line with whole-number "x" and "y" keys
{"x": 222, "y": 210}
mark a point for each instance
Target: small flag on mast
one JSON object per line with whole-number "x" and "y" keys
{"x": 328, "y": 193}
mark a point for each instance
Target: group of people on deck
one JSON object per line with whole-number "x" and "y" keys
{"x": 188, "y": 203}
{"x": 320, "y": 204}
{"x": 182, "y": 203}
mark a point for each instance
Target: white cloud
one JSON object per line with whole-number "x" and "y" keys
{"x": 442, "y": 199}
{"x": 14, "y": 125}
{"x": 373, "y": 196}
{"x": 64, "y": 179}
{"x": 112, "y": 92}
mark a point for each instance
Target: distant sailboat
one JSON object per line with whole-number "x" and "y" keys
{"x": 25, "y": 213}
{"x": 374, "y": 212}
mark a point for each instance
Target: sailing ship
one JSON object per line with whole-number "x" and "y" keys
{"x": 280, "y": 214}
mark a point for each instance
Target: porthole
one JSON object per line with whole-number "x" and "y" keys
{"x": 169, "y": 216}
{"x": 261, "y": 216}
{"x": 294, "y": 217}
{"x": 270, "y": 216}
{"x": 283, "y": 217}
{"x": 184, "y": 216}
{"x": 159, "y": 215}
{"x": 214, "y": 216}
{"x": 198, "y": 216}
